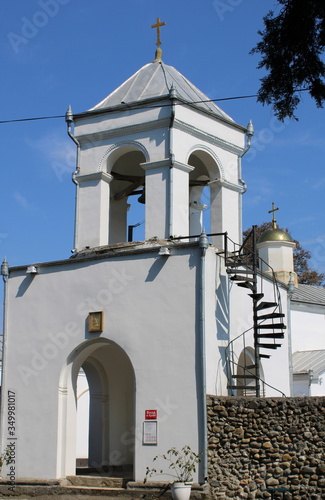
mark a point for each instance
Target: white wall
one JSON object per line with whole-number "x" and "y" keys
{"x": 150, "y": 313}
{"x": 308, "y": 326}
{"x": 317, "y": 387}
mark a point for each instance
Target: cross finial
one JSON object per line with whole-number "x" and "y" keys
{"x": 157, "y": 25}
{"x": 273, "y": 211}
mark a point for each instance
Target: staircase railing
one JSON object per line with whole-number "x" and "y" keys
{"x": 244, "y": 266}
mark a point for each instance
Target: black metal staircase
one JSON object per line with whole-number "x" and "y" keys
{"x": 268, "y": 326}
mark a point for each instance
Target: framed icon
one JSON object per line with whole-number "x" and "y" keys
{"x": 96, "y": 321}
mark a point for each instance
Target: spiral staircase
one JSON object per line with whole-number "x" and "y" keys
{"x": 268, "y": 328}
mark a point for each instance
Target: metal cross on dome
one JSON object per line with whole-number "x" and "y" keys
{"x": 157, "y": 25}
{"x": 273, "y": 212}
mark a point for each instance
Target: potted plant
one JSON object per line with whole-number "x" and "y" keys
{"x": 5, "y": 458}
{"x": 181, "y": 466}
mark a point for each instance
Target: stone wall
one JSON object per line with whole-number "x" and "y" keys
{"x": 256, "y": 444}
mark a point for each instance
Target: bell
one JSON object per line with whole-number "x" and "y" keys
{"x": 142, "y": 198}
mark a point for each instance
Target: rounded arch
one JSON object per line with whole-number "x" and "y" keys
{"x": 124, "y": 162}
{"x": 203, "y": 194}
{"x": 246, "y": 373}
{"x": 111, "y": 382}
{"x": 205, "y": 156}
{"x": 113, "y": 153}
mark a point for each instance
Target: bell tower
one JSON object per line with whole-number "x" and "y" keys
{"x": 157, "y": 137}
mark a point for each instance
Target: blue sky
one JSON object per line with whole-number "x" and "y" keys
{"x": 60, "y": 52}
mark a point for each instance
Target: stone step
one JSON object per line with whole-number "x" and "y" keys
{"x": 124, "y": 471}
{"x": 98, "y": 481}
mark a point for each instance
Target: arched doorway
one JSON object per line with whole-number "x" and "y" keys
{"x": 246, "y": 369}
{"x": 110, "y": 377}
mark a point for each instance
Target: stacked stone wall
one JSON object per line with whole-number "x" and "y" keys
{"x": 259, "y": 444}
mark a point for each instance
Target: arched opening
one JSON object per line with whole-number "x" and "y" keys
{"x": 127, "y": 196}
{"x": 82, "y": 449}
{"x": 246, "y": 374}
{"x": 202, "y": 195}
{"x": 110, "y": 412}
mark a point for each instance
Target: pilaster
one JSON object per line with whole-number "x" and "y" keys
{"x": 167, "y": 198}
{"x": 92, "y": 210}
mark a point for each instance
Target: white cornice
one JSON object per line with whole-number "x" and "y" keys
{"x": 163, "y": 122}
{"x": 103, "y": 176}
{"x": 200, "y": 134}
{"x": 122, "y": 131}
{"x": 154, "y": 124}
{"x": 226, "y": 184}
{"x": 183, "y": 166}
{"x": 166, "y": 162}
{"x": 151, "y": 165}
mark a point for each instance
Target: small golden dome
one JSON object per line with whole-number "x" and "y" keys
{"x": 274, "y": 234}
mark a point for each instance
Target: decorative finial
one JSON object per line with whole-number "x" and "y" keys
{"x": 172, "y": 91}
{"x": 5, "y": 269}
{"x": 274, "y": 225}
{"x": 158, "y": 43}
{"x": 291, "y": 285}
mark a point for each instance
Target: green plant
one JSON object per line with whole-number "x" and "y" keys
{"x": 181, "y": 464}
{"x": 5, "y": 458}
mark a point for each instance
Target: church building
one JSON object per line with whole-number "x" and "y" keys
{"x": 151, "y": 326}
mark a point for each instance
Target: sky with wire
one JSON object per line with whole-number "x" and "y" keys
{"x": 60, "y": 52}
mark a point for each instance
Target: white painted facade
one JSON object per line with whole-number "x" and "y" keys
{"x": 308, "y": 325}
{"x": 168, "y": 319}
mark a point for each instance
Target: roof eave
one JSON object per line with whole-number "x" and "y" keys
{"x": 121, "y": 107}
{"x": 147, "y": 102}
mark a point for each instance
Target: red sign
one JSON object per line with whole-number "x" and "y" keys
{"x": 151, "y": 414}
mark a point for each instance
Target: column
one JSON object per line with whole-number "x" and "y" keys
{"x": 92, "y": 210}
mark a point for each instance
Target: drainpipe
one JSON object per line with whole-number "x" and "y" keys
{"x": 203, "y": 244}
{"x": 5, "y": 277}
{"x": 291, "y": 289}
{"x": 69, "y": 121}
{"x": 172, "y": 95}
{"x": 249, "y": 135}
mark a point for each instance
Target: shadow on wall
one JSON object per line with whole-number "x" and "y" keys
{"x": 222, "y": 328}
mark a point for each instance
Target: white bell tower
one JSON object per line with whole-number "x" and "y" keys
{"x": 159, "y": 137}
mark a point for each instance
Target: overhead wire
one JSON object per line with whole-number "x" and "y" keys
{"x": 134, "y": 104}
{"x": 130, "y": 105}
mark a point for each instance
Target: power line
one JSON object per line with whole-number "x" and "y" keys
{"x": 144, "y": 106}
{"x": 32, "y": 119}
{"x": 132, "y": 104}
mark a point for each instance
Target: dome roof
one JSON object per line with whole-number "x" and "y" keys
{"x": 274, "y": 234}
{"x": 156, "y": 79}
